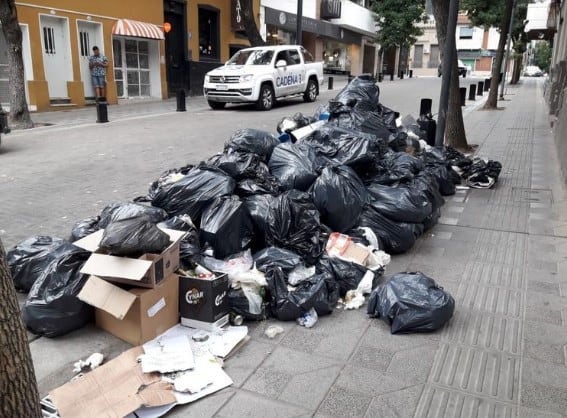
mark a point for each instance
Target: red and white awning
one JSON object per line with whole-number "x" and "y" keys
{"x": 127, "y": 27}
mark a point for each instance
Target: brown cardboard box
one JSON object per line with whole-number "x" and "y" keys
{"x": 145, "y": 271}
{"x": 136, "y": 315}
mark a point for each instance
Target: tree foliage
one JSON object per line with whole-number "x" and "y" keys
{"x": 397, "y": 20}
{"x": 542, "y": 57}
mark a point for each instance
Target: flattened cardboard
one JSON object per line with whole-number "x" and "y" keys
{"x": 112, "y": 266}
{"x": 104, "y": 295}
{"x": 114, "y": 389}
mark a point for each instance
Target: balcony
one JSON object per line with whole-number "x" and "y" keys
{"x": 356, "y": 18}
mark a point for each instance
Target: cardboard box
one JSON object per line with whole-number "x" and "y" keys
{"x": 203, "y": 303}
{"x": 146, "y": 271}
{"x": 136, "y": 315}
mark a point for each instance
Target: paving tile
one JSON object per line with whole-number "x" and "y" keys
{"x": 546, "y": 398}
{"x": 397, "y": 404}
{"x": 415, "y": 363}
{"x": 309, "y": 389}
{"x": 205, "y": 407}
{"x": 343, "y": 402}
{"x": 246, "y": 405}
{"x": 371, "y": 382}
{"x": 240, "y": 366}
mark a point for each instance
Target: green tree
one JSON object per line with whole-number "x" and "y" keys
{"x": 519, "y": 38}
{"x": 543, "y": 55}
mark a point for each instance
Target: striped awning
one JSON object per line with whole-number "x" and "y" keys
{"x": 127, "y": 27}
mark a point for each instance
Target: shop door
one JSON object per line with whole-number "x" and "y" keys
{"x": 90, "y": 34}
{"x": 175, "y": 50}
{"x": 369, "y": 59}
{"x": 56, "y": 55}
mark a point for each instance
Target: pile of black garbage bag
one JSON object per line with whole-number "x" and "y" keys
{"x": 358, "y": 173}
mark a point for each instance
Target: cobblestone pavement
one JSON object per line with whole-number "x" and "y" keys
{"x": 502, "y": 253}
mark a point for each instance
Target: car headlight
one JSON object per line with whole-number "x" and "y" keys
{"x": 246, "y": 77}
{"x": 206, "y": 78}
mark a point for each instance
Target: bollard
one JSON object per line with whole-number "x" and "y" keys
{"x": 380, "y": 77}
{"x": 486, "y": 84}
{"x": 463, "y": 91}
{"x": 472, "y": 92}
{"x": 425, "y": 107}
{"x": 480, "y": 88}
{"x": 4, "y": 128}
{"x": 401, "y": 75}
{"x": 391, "y": 76}
{"x": 330, "y": 83}
{"x": 410, "y": 73}
{"x": 181, "y": 100}
{"x": 101, "y": 110}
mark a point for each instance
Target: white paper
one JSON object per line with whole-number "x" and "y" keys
{"x": 167, "y": 354}
{"x": 215, "y": 373}
{"x": 158, "y": 306}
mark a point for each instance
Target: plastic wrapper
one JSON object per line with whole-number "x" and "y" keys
{"x": 293, "y": 166}
{"x": 402, "y": 203}
{"x": 226, "y": 226}
{"x": 192, "y": 193}
{"x": 411, "y": 302}
{"x": 401, "y": 142}
{"x": 347, "y": 274}
{"x": 253, "y": 141}
{"x": 52, "y": 307}
{"x": 339, "y": 195}
{"x": 189, "y": 246}
{"x": 133, "y": 237}
{"x": 28, "y": 259}
{"x": 293, "y": 223}
{"x": 397, "y": 237}
{"x": 118, "y": 211}
{"x": 84, "y": 227}
{"x": 319, "y": 292}
{"x": 276, "y": 257}
{"x": 250, "y": 305}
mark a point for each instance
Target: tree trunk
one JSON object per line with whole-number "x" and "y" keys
{"x": 492, "y": 101}
{"x": 454, "y": 126}
{"x": 18, "y": 388}
{"x": 19, "y": 113}
{"x": 250, "y": 26}
{"x": 518, "y": 61}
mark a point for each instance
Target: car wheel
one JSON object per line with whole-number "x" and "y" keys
{"x": 266, "y": 98}
{"x": 310, "y": 94}
{"x": 217, "y": 105}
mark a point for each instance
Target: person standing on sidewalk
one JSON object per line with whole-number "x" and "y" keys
{"x": 98, "y": 64}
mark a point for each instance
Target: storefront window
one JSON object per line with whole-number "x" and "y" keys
{"x": 209, "y": 33}
{"x": 276, "y": 36}
{"x": 132, "y": 79}
{"x": 336, "y": 57}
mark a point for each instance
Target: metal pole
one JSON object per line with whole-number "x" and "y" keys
{"x": 448, "y": 58}
{"x": 509, "y": 41}
{"x": 299, "y": 29}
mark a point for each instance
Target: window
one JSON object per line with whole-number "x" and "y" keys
{"x": 49, "y": 40}
{"x": 85, "y": 44}
{"x": 307, "y": 57}
{"x": 466, "y": 32}
{"x": 252, "y": 57}
{"x": 293, "y": 57}
{"x": 209, "y": 33}
{"x": 131, "y": 67}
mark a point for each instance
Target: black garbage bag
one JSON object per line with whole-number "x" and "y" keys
{"x": 397, "y": 237}
{"x": 319, "y": 292}
{"x": 133, "y": 237}
{"x": 52, "y": 307}
{"x": 239, "y": 165}
{"x": 167, "y": 177}
{"x": 431, "y": 220}
{"x": 194, "y": 192}
{"x": 428, "y": 184}
{"x": 258, "y": 206}
{"x": 291, "y": 123}
{"x": 226, "y": 226}
{"x": 293, "y": 223}
{"x": 293, "y": 166}
{"x": 401, "y": 142}
{"x": 266, "y": 184}
{"x": 444, "y": 178}
{"x": 402, "y": 203}
{"x": 252, "y": 141}
{"x": 240, "y": 304}
{"x": 395, "y": 167}
{"x": 411, "y": 302}
{"x": 482, "y": 174}
{"x": 84, "y": 227}
{"x": 276, "y": 257}
{"x": 362, "y": 89}
{"x": 189, "y": 246}
{"x": 347, "y": 274}
{"x": 354, "y": 150}
{"x": 29, "y": 259}
{"x": 339, "y": 195}
{"x": 118, "y": 211}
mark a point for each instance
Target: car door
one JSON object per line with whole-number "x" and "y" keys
{"x": 297, "y": 71}
{"x": 281, "y": 84}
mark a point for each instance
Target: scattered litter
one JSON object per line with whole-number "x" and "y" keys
{"x": 308, "y": 319}
{"x": 92, "y": 362}
{"x": 170, "y": 354}
{"x": 273, "y": 331}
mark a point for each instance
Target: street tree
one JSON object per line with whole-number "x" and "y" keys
{"x": 492, "y": 13}
{"x": 19, "y": 397}
{"x": 250, "y": 26}
{"x": 542, "y": 57}
{"x": 519, "y": 39}
{"x": 455, "y": 134}
{"x": 19, "y": 113}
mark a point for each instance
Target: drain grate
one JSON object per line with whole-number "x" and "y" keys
{"x": 532, "y": 195}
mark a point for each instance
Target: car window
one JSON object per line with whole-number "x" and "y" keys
{"x": 293, "y": 57}
{"x": 282, "y": 55}
{"x": 307, "y": 57}
{"x": 252, "y": 57}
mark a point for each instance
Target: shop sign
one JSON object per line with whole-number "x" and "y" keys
{"x": 331, "y": 9}
{"x": 237, "y": 17}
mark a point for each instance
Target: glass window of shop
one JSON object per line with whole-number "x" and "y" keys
{"x": 336, "y": 56}
{"x": 277, "y": 36}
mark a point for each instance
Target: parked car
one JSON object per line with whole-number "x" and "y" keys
{"x": 262, "y": 75}
{"x": 533, "y": 71}
{"x": 461, "y": 66}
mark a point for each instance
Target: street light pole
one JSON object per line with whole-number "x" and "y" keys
{"x": 299, "y": 28}
{"x": 508, "y": 44}
{"x": 447, "y": 69}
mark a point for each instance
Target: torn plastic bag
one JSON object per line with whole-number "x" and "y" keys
{"x": 189, "y": 245}
{"x": 339, "y": 195}
{"x": 252, "y": 140}
{"x": 402, "y": 203}
{"x": 266, "y": 184}
{"x": 257, "y": 207}
{"x": 276, "y": 257}
{"x": 226, "y": 226}
{"x": 118, "y": 211}
{"x": 397, "y": 237}
{"x": 239, "y": 165}
{"x": 293, "y": 166}
{"x": 194, "y": 192}
{"x": 347, "y": 274}
{"x": 319, "y": 292}
{"x": 366, "y": 237}
{"x": 28, "y": 259}
{"x": 85, "y": 227}
{"x": 401, "y": 142}
{"x": 133, "y": 237}
{"x": 248, "y": 304}
{"x": 291, "y": 123}
{"x": 52, "y": 307}
{"x": 293, "y": 224}
{"x": 411, "y": 302}
{"x": 362, "y": 89}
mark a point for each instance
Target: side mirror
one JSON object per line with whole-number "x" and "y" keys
{"x": 281, "y": 64}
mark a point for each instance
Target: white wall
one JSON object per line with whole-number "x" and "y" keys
{"x": 155, "y": 73}
{"x": 474, "y": 43}
{"x": 290, "y": 6}
{"x": 356, "y": 18}
{"x": 493, "y": 38}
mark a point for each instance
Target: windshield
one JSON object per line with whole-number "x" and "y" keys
{"x": 252, "y": 57}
